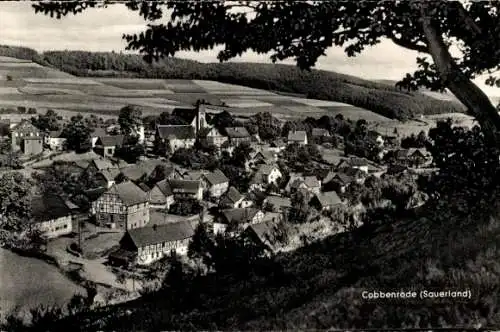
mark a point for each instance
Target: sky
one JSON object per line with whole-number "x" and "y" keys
{"x": 102, "y": 29}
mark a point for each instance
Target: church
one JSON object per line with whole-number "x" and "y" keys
{"x": 183, "y": 136}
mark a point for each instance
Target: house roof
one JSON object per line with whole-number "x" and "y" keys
{"x": 190, "y": 186}
{"x": 267, "y": 232}
{"x": 187, "y": 114}
{"x": 144, "y": 187}
{"x": 266, "y": 169}
{"x": 343, "y": 178}
{"x": 102, "y": 164}
{"x": 48, "y": 207}
{"x": 401, "y": 153}
{"x": 312, "y": 182}
{"x": 277, "y": 143}
{"x": 279, "y": 201}
{"x": 164, "y": 187}
{"x": 216, "y": 177}
{"x": 329, "y": 198}
{"x": 129, "y": 193}
{"x": 133, "y": 173}
{"x": 110, "y": 140}
{"x": 31, "y": 138}
{"x": 299, "y": 135}
{"x": 421, "y": 151}
{"x": 353, "y": 162}
{"x": 239, "y": 215}
{"x": 110, "y": 174}
{"x": 94, "y": 194}
{"x": 232, "y": 195}
{"x": 161, "y": 233}
{"x": 176, "y": 132}
{"x": 237, "y": 132}
{"x": 319, "y": 132}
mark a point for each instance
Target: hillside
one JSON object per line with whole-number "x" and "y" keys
{"x": 377, "y": 97}
{"x": 320, "y": 285}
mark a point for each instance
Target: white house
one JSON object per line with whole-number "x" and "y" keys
{"x": 299, "y": 137}
{"x": 152, "y": 242}
{"x": 216, "y": 183}
{"x": 214, "y": 137}
{"x": 266, "y": 174}
{"x": 55, "y": 141}
{"x": 176, "y": 136}
{"x": 51, "y": 215}
{"x": 161, "y": 196}
{"x": 186, "y": 188}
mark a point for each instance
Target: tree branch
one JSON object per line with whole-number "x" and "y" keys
{"x": 408, "y": 44}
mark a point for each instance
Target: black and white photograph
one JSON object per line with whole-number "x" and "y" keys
{"x": 249, "y": 165}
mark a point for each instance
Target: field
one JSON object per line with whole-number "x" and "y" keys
{"x": 24, "y": 83}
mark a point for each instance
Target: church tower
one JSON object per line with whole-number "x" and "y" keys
{"x": 201, "y": 119}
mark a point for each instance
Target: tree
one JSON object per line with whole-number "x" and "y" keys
{"x": 201, "y": 245}
{"x": 15, "y": 190}
{"x": 131, "y": 150}
{"x": 304, "y": 30}
{"x": 129, "y": 119}
{"x": 46, "y": 122}
{"x": 77, "y": 134}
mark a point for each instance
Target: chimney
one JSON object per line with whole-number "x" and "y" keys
{"x": 155, "y": 227}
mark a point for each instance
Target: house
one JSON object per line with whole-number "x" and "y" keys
{"x": 262, "y": 157}
{"x": 51, "y": 215}
{"x": 55, "y": 141}
{"x": 145, "y": 245}
{"x": 216, "y": 183}
{"x": 23, "y": 129}
{"x": 32, "y": 145}
{"x": 212, "y": 136}
{"x": 310, "y": 183}
{"x": 106, "y": 145}
{"x": 354, "y": 162}
{"x": 375, "y": 138}
{"x": 232, "y": 220}
{"x": 269, "y": 235}
{"x": 298, "y": 136}
{"x": 175, "y": 136}
{"x": 238, "y": 135}
{"x": 233, "y": 199}
{"x": 277, "y": 203}
{"x": 108, "y": 176}
{"x": 326, "y": 201}
{"x": 418, "y": 156}
{"x": 96, "y": 133}
{"x": 161, "y": 196}
{"x": 186, "y": 188}
{"x": 195, "y": 117}
{"x": 319, "y": 135}
{"x": 124, "y": 206}
{"x": 277, "y": 146}
{"x": 97, "y": 165}
{"x": 339, "y": 181}
{"x": 265, "y": 175}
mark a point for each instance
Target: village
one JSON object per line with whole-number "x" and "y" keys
{"x": 143, "y": 188}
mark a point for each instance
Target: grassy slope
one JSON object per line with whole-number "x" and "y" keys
{"x": 325, "y": 281}
{"x": 377, "y": 97}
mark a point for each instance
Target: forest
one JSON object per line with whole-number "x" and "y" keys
{"x": 384, "y": 99}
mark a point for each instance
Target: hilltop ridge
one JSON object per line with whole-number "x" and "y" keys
{"x": 378, "y": 97}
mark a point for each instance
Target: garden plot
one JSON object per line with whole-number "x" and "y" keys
{"x": 69, "y": 80}
{"x": 230, "y": 89}
{"x": 238, "y": 103}
{"x": 135, "y": 83}
{"x": 319, "y": 103}
{"x": 31, "y": 90}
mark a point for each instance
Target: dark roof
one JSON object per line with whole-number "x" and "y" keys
{"x": 133, "y": 172}
{"x": 190, "y": 186}
{"x": 110, "y": 174}
{"x": 237, "y": 132}
{"x": 187, "y": 114}
{"x": 129, "y": 193}
{"x": 176, "y": 131}
{"x": 267, "y": 232}
{"x": 161, "y": 233}
{"x": 232, "y": 195}
{"x": 102, "y": 164}
{"x": 216, "y": 177}
{"x": 164, "y": 187}
{"x": 114, "y": 140}
{"x": 239, "y": 215}
{"x": 94, "y": 194}
{"x": 295, "y": 136}
{"x": 329, "y": 198}
{"x": 344, "y": 178}
{"x": 401, "y": 153}
{"x": 354, "y": 162}
{"x": 48, "y": 207}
